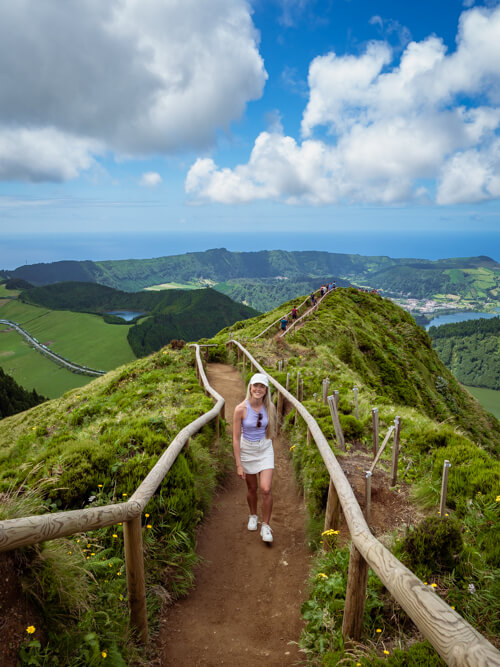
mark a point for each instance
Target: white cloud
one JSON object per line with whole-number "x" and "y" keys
{"x": 150, "y": 179}
{"x": 135, "y": 77}
{"x": 45, "y": 154}
{"x": 387, "y": 129}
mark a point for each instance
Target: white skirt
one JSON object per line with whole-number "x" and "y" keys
{"x": 256, "y": 456}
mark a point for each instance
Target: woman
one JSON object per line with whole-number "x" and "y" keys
{"x": 254, "y": 425}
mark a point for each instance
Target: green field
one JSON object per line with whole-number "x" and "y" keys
{"x": 80, "y": 337}
{"x": 32, "y": 370}
{"x": 489, "y": 399}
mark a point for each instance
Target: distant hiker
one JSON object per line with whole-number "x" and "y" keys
{"x": 284, "y": 323}
{"x": 294, "y": 313}
{"x": 313, "y": 299}
{"x": 322, "y": 290}
{"x": 254, "y": 425}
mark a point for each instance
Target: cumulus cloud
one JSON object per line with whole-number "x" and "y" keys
{"x": 150, "y": 179}
{"x": 388, "y": 128}
{"x": 134, "y": 77}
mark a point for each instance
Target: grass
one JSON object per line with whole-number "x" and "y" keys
{"x": 489, "y": 399}
{"x": 80, "y": 337}
{"x": 92, "y": 447}
{"x": 32, "y": 370}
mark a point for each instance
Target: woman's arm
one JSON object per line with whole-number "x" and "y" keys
{"x": 239, "y": 414}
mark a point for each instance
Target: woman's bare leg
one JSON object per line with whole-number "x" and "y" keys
{"x": 265, "y": 481}
{"x": 251, "y": 481}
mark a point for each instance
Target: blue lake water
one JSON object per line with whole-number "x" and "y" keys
{"x": 458, "y": 317}
{"x": 126, "y": 315}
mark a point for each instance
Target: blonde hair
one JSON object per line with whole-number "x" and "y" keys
{"x": 270, "y": 409}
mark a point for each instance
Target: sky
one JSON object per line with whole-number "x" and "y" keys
{"x": 248, "y": 124}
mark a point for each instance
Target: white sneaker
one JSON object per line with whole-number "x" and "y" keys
{"x": 252, "y": 522}
{"x": 266, "y": 533}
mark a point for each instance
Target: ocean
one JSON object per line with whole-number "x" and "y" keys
{"x": 16, "y": 250}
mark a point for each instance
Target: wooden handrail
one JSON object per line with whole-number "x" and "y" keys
{"x": 456, "y": 641}
{"x": 279, "y": 319}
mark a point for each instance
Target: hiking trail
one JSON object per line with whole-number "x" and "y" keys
{"x": 245, "y": 607}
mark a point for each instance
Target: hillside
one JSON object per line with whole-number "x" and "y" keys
{"x": 161, "y": 316}
{"x": 471, "y": 350}
{"x": 461, "y": 282}
{"x": 363, "y": 339}
{"x": 94, "y": 444}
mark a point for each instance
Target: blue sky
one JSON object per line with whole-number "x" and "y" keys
{"x": 270, "y": 119}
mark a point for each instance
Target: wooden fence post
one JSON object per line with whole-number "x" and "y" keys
{"x": 308, "y": 440}
{"x": 336, "y": 397}
{"x": 375, "y": 430}
{"x": 280, "y": 365}
{"x": 368, "y": 496}
{"x": 134, "y": 563}
{"x": 287, "y": 385}
{"x": 326, "y": 385}
{"x": 301, "y": 390}
{"x": 356, "y": 407}
{"x": 395, "y": 451}
{"x": 355, "y": 596}
{"x": 332, "y": 513}
{"x": 217, "y": 430}
{"x": 296, "y": 418}
{"x": 444, "y": 487}
{"x": 336, "y": 422}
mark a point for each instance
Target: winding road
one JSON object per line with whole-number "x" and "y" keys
{"x": 53, "y": 356}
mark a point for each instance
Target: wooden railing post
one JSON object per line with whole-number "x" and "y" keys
{"x": 375, "y": 430}
{"x": 332, "y": 514}
{"x": 352, "y": 624}
{"x": 444, "y": 487}
{"x": 134, "y": 562}
{"x": 395, "y": 451}
{"x": 356, "y": 406}
{"x": 336, "y": 422}
{"x": 326, "y": 385}
{"x": 368, "y": 496}
{"x": 308, "y": 438}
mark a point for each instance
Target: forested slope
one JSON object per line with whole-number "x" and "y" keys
{"x": 471, "y": 350}
{"x": 14, "y": 398}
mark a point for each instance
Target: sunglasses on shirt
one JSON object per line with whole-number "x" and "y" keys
{"x": 259, "y": 420}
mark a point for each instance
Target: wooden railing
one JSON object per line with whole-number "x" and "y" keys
{"x": 458, "y": 643}
{"x": 20, "y": 532}
{"x": 276, "y": 322}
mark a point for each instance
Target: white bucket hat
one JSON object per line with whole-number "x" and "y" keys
{"x": 259, "y": 378}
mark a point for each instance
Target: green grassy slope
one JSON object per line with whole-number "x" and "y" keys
{"x": 110, "y": 432}
{"x": 93, "y": 446}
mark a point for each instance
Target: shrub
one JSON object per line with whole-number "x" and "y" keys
{"x": 433, "y": 546}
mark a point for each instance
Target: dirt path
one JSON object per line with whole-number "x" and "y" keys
{"x": 245, "y": 608}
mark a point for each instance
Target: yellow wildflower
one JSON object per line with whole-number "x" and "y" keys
{"x": 322, "y": 574}
{"x": 330, "y": 531}
{"x": 292, "y": 447}
{"x": 30, "y": 629}
{"x": 104, "y": 654}
{"x": 386, "y": 652}
{"x": 115, "y": 535}
{"x": 118, "y": 574}
{"x": 147, "y": 516}
{"x": 100, "y": 486}
{"x": 124, "y": 495}
{"x": 149, "y": 526}
{"x": 378, "y": 630}
{"x": 434, "y": 585}
{"x": 452, "y": 607}
{"x": 497, "y": 499}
